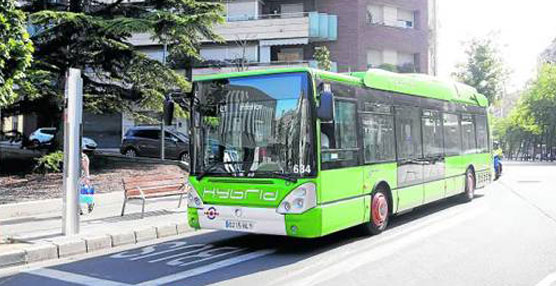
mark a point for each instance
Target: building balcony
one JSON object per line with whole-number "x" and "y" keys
{"x": 256, "y": 66}
{"x": 311, "y": 26}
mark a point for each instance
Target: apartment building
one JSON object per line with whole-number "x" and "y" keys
{"x": 361, "y": 34}
{"x": 394, "y": 34}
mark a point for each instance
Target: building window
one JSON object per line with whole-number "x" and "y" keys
{"x": 291, "y": 10}
{"x": 289, "y": 54}
{"x": 375, "y": 14}
{"x": 374, "y": 58}
{"x": 406, "y": 63}
{"x": 406, "y": 19}
{"x": 390, "y": 16}
{"x": 241, "y": 10}
{"x": 392, "y": 60}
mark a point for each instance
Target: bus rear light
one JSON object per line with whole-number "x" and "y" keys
{"x": 193, "y": 198}
{"x": 299, "y": 200}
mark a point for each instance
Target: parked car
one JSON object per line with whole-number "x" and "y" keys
{"x": 144, "y": 141}
{"x": 44, "y": 137}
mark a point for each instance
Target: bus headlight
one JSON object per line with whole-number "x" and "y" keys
{"x": 193, "y": 198}
{"x": 299, "y": 200}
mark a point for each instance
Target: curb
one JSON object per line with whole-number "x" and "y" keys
{"x": 70, "y": 246}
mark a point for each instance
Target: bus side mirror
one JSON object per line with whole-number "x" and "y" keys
{"x": 325, "y": 112}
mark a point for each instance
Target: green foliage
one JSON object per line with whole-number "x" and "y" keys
{"x": 15, "y": 50}
{"x": 484, "y": 69}
{"x": 533, "y": 120}
{"x": 50, "y": 163}
{"x": 94, "y": 36}
{"x": 322, "y": 56}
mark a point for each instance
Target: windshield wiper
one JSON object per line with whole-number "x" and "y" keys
{"x": 209, "y": 168}
{"x": 281, "y": 175}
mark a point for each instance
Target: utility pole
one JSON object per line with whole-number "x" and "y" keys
{"x": 162, "y": 132}
{"x": 73, "y": 110}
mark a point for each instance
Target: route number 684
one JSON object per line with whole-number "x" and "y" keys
{"x": 301, "y": 169}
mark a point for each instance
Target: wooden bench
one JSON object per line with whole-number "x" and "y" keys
{"x": 152, "y": 186}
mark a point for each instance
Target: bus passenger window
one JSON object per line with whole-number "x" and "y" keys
{"x": 408, "y": 131}
{"x": 468, "y": 130}
{"x": 378, "y": 137}
{"x": 339, "y": 143}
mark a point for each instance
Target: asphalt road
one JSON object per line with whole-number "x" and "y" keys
{"x": 506, "y": 236}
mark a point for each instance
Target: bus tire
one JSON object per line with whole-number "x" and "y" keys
{"x": 469, "y": 193}
{"x": 380, "y": 212}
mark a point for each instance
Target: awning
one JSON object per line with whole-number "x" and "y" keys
{"x": 284, "y": 42}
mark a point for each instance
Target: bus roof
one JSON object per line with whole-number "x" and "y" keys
{"x": 413, "y": 84}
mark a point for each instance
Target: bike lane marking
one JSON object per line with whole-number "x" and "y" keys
{"x": 88, "y": 280}
{"x": 73, "y": 278}
{"x": 207, "y": 268}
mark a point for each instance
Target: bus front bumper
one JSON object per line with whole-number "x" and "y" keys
{"x": 256, "y": 220}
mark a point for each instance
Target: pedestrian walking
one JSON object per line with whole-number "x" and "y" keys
{"x": 86, "y": 189}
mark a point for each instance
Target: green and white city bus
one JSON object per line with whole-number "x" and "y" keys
{"x": 305, "y": 153}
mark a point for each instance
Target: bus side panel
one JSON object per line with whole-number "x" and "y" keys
{"x": 374, "y": 174}
{"x": 435, "y": 190}
{"x": 455, "y": 174}
{"x": 339, "y": 184}
{"x": 340, "y": 196}
{"x": 343, "y": 214}
{"x": 409, "y": 197}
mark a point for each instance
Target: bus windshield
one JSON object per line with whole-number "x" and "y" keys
{"x": 257, "y": 126}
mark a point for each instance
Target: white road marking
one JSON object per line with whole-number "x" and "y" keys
{"x": 349, "y": 250}
{"x": 549, "y": 280}
{"x": 73, "y": 278}
{"x": 207, "y": 268}
{"x": 365, "y": 257}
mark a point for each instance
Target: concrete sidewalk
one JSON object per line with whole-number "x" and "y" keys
{"x": 35, "y": 227}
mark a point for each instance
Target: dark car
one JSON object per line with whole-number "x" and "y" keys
{"x": 144, "y": 141}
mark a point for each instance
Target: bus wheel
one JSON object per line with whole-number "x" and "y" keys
{"x": 380, "y": 212}
{"x": 469, "y": 193}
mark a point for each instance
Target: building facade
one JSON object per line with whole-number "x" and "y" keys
{"x": 393, "y": 34}
{"x": 397, "y": 35}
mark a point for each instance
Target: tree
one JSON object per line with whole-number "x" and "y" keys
{"x": 484, "y": 69}
{"x": 15, "y": 50}
{"x": 531, "y": 125}
{"x": 94, "y": 36}
{"x": 322, "y": 56}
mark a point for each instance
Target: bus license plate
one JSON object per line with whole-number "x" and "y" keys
{"x": 239, "y": 224}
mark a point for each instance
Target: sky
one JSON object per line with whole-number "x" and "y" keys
{"x": 523, "y": 29}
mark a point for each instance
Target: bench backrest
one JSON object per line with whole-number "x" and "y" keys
{"x": 149, "y": 184}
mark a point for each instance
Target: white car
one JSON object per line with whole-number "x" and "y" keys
{"x": 43, "y": 136}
